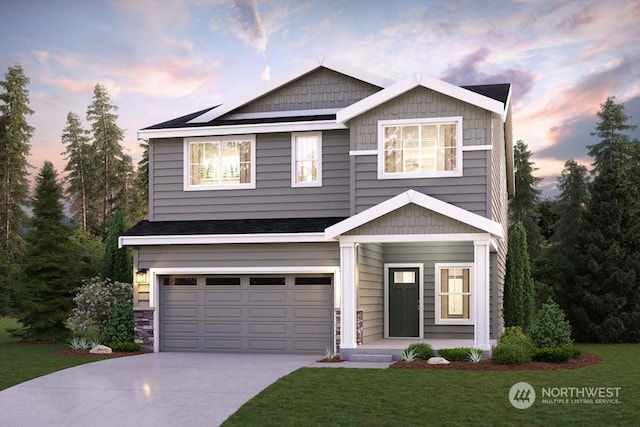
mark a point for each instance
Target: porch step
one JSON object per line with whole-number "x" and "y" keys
{"x": 371, "y": 358}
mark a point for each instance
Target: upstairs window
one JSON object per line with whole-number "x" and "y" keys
{"x": 218, "y": 163}
{"x": 306, "y": 159}
{"x": 420, "y": 148}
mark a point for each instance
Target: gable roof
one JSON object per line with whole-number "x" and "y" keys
{"x": 322, "y": 63}
{"x": 420, "y": 199}
{"x": 223, "y": 119}
{"x": 477, "y": 97}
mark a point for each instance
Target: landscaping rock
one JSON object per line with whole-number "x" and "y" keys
{"x": 100, "y": 349}
{"x": 437, "y": 361}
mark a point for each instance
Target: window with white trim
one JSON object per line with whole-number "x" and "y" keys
{"x": 453, "y": 294}
{"x": 215, "y": 163}
{"x": 420, "y": 148}
{"x": 306, "y": 159}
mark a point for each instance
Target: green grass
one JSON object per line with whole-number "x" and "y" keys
{"x": 20, "y": 362}
{"x": 397, "y": 397}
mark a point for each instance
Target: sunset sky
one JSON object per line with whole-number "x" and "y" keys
{"x": 162, "y": 59}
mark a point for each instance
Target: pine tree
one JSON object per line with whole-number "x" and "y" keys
{"x": 79, "y": 168}
{"x": 607, "y": 305}
{"x": 523, "y": 206}
{"x": 45, "y": 292}
{"x": 518, "y": 286}
{"x": 15, "y": 134}
{"x": 117, "y": 263}
{"x": 107, "y": 136}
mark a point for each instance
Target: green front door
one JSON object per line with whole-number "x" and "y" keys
{"x": 404, "y": 302}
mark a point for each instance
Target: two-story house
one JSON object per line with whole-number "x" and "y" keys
{"x": 336, "y": 208}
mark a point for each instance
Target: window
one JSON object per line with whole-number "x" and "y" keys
{"x": 222, "y": 281}
{"x": 453, "y": 294}
{"x": 179, "y": 280}
{"x": 220, "y": 163}
{"x": 306, "y": 159}
{"x": 420, "y": 148}
{"x": 267, "y": 281}
{"x": 323, "y": 280}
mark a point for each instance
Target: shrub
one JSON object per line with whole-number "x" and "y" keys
{"x": 459, "y": 354}
{"x": 556, "y": 354}
{"x": 423, "y": 351}
{"x": 79, "y": 343}
{"x": 514, "y": 335}
{"x": 550, "y": 328}
{"x": 94, "y": 303}
{"x": 119, "y": 327}
{"x": 510, "y": 354}
{"x": 126, "y": 347}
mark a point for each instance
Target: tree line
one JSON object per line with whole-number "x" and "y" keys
{"x": 45, "y": 257}
{"x": 581, "y": 248}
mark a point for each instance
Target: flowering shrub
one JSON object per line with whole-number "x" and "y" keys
{"x": 94, "y": 303}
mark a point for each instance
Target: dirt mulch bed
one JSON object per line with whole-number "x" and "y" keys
{"x": 72, "y": 352}
{"x": 587, "y": 359}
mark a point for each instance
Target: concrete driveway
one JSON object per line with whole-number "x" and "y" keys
{"x": 156, "y": 389}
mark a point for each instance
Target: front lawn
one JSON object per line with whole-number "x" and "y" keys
{"x": 20, "y": 362}
{"x": 393, "y": 397}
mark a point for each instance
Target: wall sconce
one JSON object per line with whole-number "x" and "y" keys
{"x": 141, "y": 277}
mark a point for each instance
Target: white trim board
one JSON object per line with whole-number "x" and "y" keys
{"x": 215, "y": 239}
{"x": 312, "y": 125}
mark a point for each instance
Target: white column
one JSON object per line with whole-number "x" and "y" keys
{"x": 481, "y": 294}
{"x": 348, "y": 322}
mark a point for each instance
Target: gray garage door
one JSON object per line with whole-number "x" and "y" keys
{"x": 257, "y": 313}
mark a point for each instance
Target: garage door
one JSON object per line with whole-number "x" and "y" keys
{"x": 256, "y": 313}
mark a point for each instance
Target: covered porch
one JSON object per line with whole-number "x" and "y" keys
{"x": 418, "y": 270}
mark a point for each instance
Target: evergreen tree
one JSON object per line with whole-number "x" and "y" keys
{"x": 523, "y": 206}
{"x": 607, "y": 307}
{"x": 518, "y": 286}
{"x": 79, "y": 168}
{"x": 45, "y": 292}
{"x": 107, "y": 136}
{"x": 570, "y": 208}
{"x": 15, "y": 134}
{"x": 117, "y": 264}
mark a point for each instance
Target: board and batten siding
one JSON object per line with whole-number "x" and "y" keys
{"x": 273, "y": 197}
{"x": 469, "y": 191}
{"x": 428, "y": 255}
{"x": 320, "y": 89}
{"x": 235, "y": 257}
{"x": 371, "y": 291}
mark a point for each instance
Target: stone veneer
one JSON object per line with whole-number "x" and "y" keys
{"x": 143, "y": 327}
{"x": 359, "y": 328}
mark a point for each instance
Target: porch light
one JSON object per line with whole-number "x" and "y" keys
{"x": 141, "y": 277}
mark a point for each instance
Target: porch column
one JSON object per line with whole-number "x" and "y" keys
{"x": 348, "y": 309}
{"x": 481, "y": 294}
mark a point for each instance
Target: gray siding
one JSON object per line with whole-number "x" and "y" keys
{"x": 371, "y": 291}
{"x": 468, "y": 191}
{"x": 499, "y": 213}
{"x": 429, "y": 254}
{"x": 235, "y": 256}
{"x": 273, "y": 196}
{"x": 413, "y": 219}
{"x": 322, "y": 88}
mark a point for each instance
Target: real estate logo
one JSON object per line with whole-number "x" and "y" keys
{"x": 522, "y": 395}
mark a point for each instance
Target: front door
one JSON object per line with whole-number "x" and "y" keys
{"x": 404, "y": 302}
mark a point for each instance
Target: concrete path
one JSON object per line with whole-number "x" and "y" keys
{"x": 158, "y": 389}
